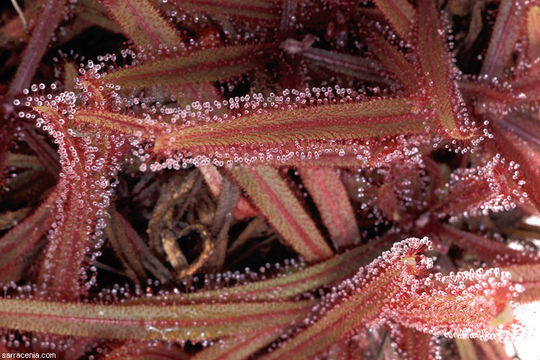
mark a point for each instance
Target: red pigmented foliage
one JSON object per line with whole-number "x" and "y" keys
{"x": 270, "y": 179}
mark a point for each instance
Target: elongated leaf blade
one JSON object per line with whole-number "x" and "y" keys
{"x": 17, "y": 244}
{"x": 466, "y": 349}
{"x": 117, "y": 232}
{"x": 373, "y": 287}
{"x": 414, "y": 344}
{"x": 437, "y": 67}
{"x": 134, "y": 350}
{"x": 125, "y": 124}
{"x": 81, "y": 204}
{"x": 533, "y": 34}
{"x": 50, "y": 16}
{"x": 393, "y": 287}
{"x": 143, "y": 322}
{"x": 291, "y": 125}
{"x": 328, "y": 272}
{"x": 240, "y": 348}
{"x": 214, "y": 180}
{"x": 203, "y": 66}
{"x": 265, "y": 11}
{"x": 400, "y": 14}
{"x": 394, "y": 61}
{"x": 486, "y": 249}
{"x": 278, "y": 204}
{"x": 504, "y": 37}
{"x": 510, "y": 148}
{"x": 143, "y": 24}
{"x": 358, "y": 67}
{"x": 528, "y": 277}
{"x": 328, "y": 192}
{"x": 87, "y": 163}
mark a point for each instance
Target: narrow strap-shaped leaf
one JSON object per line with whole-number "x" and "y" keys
{"x": 14, "y": 28}
{"x": 340, "y": 121}
{"x": 261, "y": 10}
{"x": 148, "y": 322}
{"x": 526, "y": 88}
{"x": 125, "y": 250}
{"x": 126, "y": 124}
{"x": 394, "y": 61}
{"x": 504, "y": 37}
{"x": 278, "y": 204}
{"x": 199, "y": 67}
{"x": 393, "y": 287}
{"x": 134, "y": 248}
{"x": 438, "y": 69}
{"x": 50, "y": 16}
{"x": 466, "y": 349}
{"x": 42, "y": 149}
{"x": 486, "y": 249}
{"x": 492, "y": 349}
{"x": 23, "y": 161}
{"x": 414, "y": 344}
{"x": 87, "y": 165}
{"x": 328, "y": 192}
{"x": 69, "y": 242}
{"x": 356, "y": 312}
{"x": 92, "y": 12}
{"x": 400, "y": 14}
{"x": 533, "y": 34}
{"x": 487, "y": 92}
{"x": 509, "y": 148}
{"x": 17, "y": 243}
{"x": 135, "y": 350}
{"x": 214, "y": 180}
{"x": 528, "y": 277}
{"x": 328, "y": 272}
{"x": 142, "y": 23}
{"x": 240, "y": 348}
{"x": 350, "y": 65}
{"x": 371, "y": 289}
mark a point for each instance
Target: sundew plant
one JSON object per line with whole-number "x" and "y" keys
{"x": 269, "y": 179}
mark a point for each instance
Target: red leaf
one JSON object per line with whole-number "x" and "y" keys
{"x": 50, "y": 16}
{"x": 504, "y": 37}
{"x": 18, "y": 243}
{"x": 214, "y": 180}
{"x": 328, "y": 192}
{"x": 262, "y": 10}
{"x": 143, "y": 24}
{"x": 278, "y": 204}
{"x": 293, "y": 127}
{"x": 400, "y": 14}
{"x": 439, "y": 71}
{"x": 148, "y": 322}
